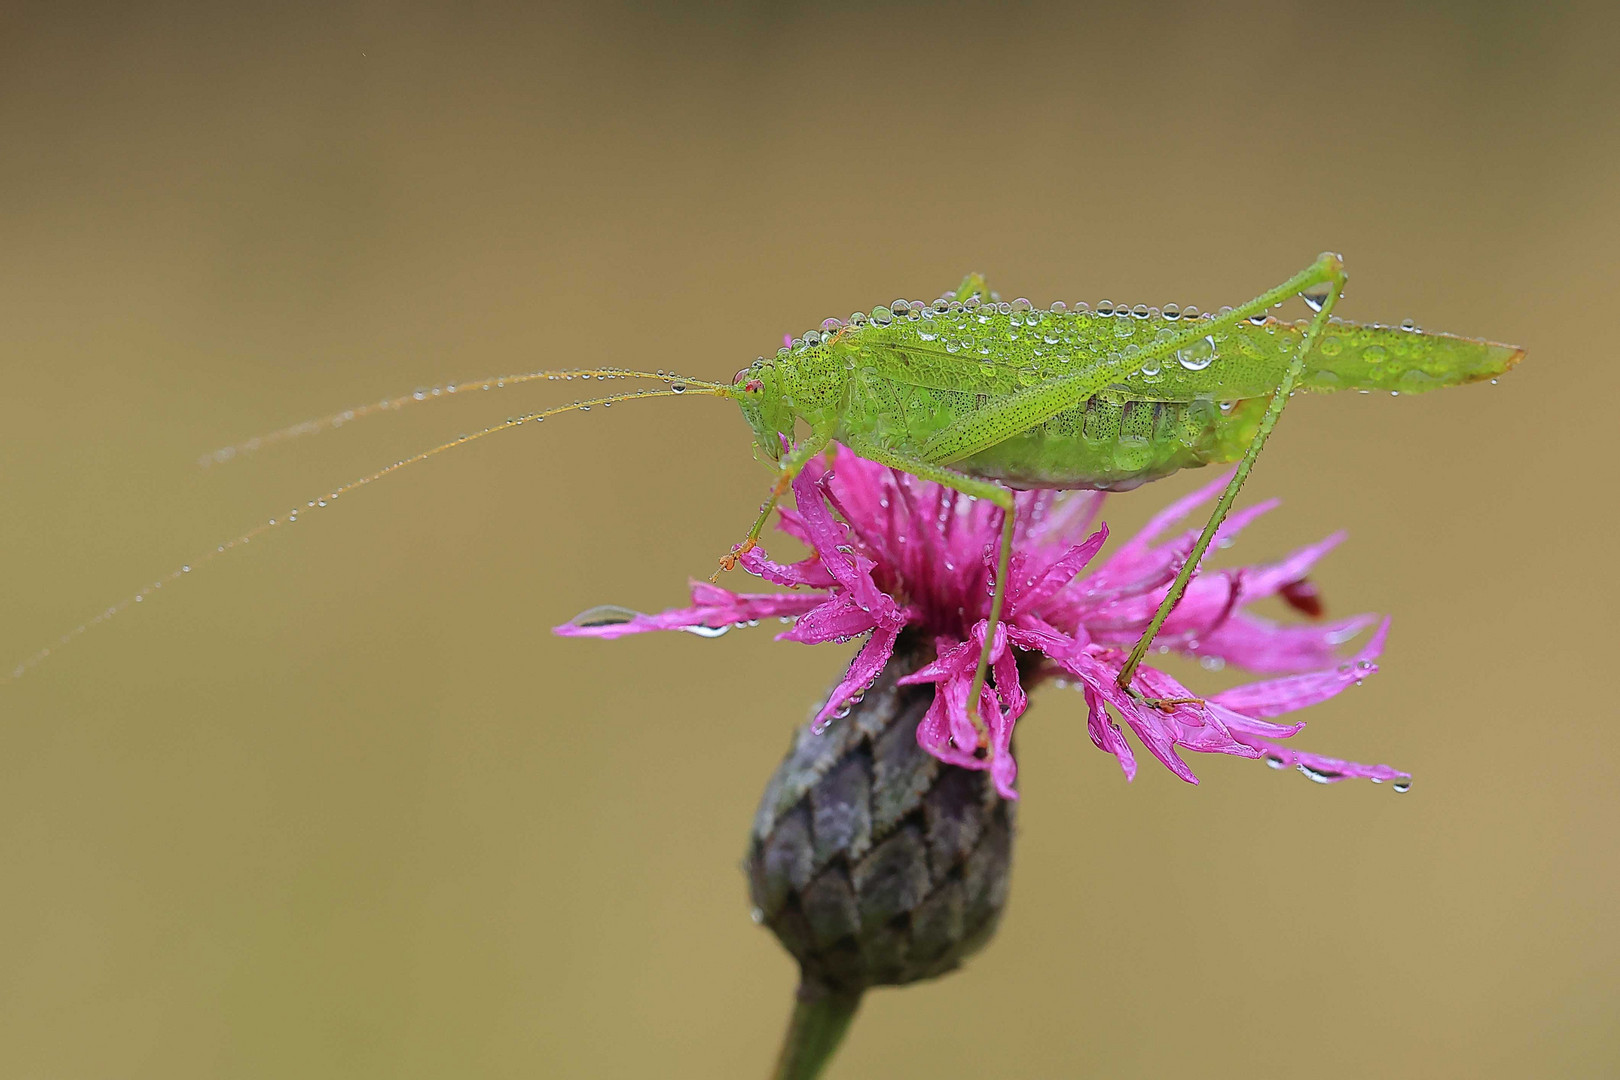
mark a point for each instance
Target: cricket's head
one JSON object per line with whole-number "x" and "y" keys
{"x": 759, "y": 392}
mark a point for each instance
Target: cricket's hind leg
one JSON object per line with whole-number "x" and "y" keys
{"x": 982, "y": 489}
{"x": 1328, "y": 272}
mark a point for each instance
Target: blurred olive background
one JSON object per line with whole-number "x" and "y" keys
{"x": 342, "y": 806}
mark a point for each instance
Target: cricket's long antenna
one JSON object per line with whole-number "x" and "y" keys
{"x": 678, "y": 389}
{"x": 390, "y": 404}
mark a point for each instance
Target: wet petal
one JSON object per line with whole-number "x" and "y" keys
{"x": 1276, "y": 696}
{"x": 716, "y": 609}
{"x": 838, "y": 619}
{"x": 1328, "y": 770}
{"x": 1264, "y": 646}
{"x": 1106, "y": 734}
{"x": 865, "y": 668}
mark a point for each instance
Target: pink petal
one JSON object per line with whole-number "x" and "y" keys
{"x": 1061, "y": 572}
{"x": 865, "y": 668}
{"x": 1265, "y": 646}
{"x": 804, "y": 572}
{"x": 1106, "y": 734}
{"x": 718, "y": 609}
{"x": 838, "y": 619}
{"x": 1329, "y": 770}
{"x": 1276, "y": 696}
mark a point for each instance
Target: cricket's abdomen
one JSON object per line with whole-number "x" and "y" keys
{"x": 1108, "y": 442}
{"x": 1114, "y": 446}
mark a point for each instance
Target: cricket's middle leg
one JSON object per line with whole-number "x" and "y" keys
{"x": 982, "y": 489}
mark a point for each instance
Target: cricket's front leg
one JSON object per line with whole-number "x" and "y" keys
{"x": 795, "y": 460}
{"x": 1328, "y": 270}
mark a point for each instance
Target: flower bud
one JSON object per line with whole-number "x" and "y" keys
{"x": 874, "y": 863}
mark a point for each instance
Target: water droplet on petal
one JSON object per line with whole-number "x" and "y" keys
{"x": 1403, "y": 785}
{"x": 604, "y": 615}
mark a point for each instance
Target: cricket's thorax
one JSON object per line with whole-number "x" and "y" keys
{"x": 896, "y": 380}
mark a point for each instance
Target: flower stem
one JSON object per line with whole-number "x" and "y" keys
{"x": 820, "y": 1018}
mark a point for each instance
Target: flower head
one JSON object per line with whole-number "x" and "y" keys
{"x": 890, "y": 551}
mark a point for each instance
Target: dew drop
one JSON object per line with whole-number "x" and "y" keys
{"x": 1171, "y": 312}
{"x": 1320, "y": 776}
{"x": 1403, "y": 785}
{"x": 1374, "y": 354}
{"x": 1276, "y": 762}
{"x": 604, "y": 615}
{"x": 882, "y": 316}
{"x": 1199, "y": 355}
{"x": 677, "y": 387}
{"x": 1105, "y": 307}
{"x": 708, "y": 631}
{"x": 757, "y": 914}
{"x": 1316, "y": 298}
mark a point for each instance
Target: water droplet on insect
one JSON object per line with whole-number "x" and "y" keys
{"x": 1105, "y": 307}
{"x": 1199, "y": 355}
{"x": 882, "y": 316}
{"x": 1409, "y": 326}
{"x": 1140, "y": 311}
{"x": 1189, "y": 312}
{"x": 1257, "y": 320}
{"x": 1124, "y": 328}
{"x": 1374, "y": 354}
{"x": 812, "y": 338}
{"x": 1059, "y": 308}
{"x": 1315, "y": 298}
{"x": 1171, "y": 312}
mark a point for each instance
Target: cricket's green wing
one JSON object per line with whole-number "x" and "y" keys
{"x": 1248, "y": 360}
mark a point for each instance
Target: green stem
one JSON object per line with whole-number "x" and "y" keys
{"x": 820, "y": 1018}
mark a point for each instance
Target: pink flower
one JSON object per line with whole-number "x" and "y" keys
{"x": 890, "y": 551}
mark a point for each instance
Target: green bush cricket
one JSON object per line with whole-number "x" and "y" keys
{"x": 985, "y": 396}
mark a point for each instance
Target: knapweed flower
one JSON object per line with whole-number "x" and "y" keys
{"x": 891, "y": 552}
